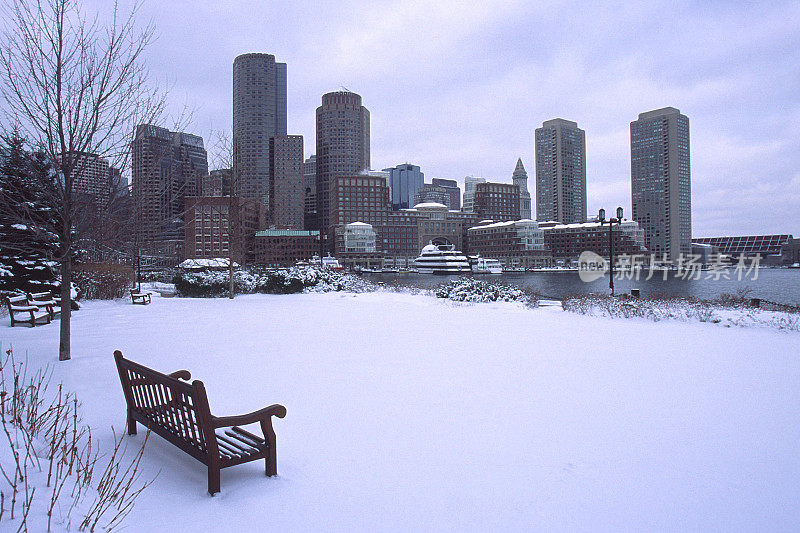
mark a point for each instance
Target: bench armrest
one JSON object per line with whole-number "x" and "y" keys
{"x": 250, "y": 418}
{"x": 181, "y": 374}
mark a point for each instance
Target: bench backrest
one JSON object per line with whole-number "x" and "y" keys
{"x": 174, "y": 407}
{"x": 39, "y": 296}
{"x": 20, "y": 299}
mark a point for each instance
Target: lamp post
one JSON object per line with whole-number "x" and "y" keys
{"x": 601, "y": 216}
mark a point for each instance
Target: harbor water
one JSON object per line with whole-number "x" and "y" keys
{"x": 780, "y": 285}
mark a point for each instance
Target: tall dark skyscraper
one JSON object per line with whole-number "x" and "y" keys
{"x": 560, "y": 172}
{"x": 167, "y": 167}
{"x": 310, "y": 191}
{"x": 259, "y": 114}
{"x": 661, "y": 181}
{"x": 404, "y": 180}
{"x": 342, "y": 149}
{"x": 286, "y": 192}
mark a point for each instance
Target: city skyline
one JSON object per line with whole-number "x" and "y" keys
{"x": 729, "y": 68}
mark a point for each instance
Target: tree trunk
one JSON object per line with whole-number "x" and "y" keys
{"x": 66, "y": 309}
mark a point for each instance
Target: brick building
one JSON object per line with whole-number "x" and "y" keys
{"x": 207, "y": 232}
{"x": 497, "y": 201}
{"x": 359, "y": 198}
{"x": 516, "y": 244}
{"x": 285, "y": 247}
{"x": 410, "y": 229}
{"x": 567, "y": 241}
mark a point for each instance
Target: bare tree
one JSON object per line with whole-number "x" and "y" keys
{"x": 73, "y": 86}
{"x": 222, "y": 158}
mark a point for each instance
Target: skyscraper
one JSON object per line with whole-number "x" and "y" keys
{"x": 93, "y": 178}
{"x": 310, "y": 192}
{"x": 660, "y": 181}
{"x": 404, "y": 180}
{"x": 560, "y": 172}
{"x": 520, "y": 179}
{"x": 167, "y": 167}
{"x": 342, "y": 149}
{"x": 286, "y": 194}
{"x": 259, "y": 113}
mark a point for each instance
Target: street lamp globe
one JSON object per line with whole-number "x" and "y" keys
{"x": 601, "y": 215}
{"x": 619, "y": 214}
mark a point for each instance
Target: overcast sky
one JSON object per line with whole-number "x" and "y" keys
{"x": 458, "y": 88}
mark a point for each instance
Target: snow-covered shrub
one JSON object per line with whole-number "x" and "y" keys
{"x": 468, "y": 289}
{"x": 268, "y": 281}
{"x": 729, "y": 310}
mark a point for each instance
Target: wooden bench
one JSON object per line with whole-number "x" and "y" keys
{"x": 46, "y": 300}
{"x": 22, "y": 312}
{"x": 179, "y": 412}
{"x": 140, "y": 297}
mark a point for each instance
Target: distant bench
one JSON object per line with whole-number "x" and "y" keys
{"x": 140, "y": 297}
{"x": 46, "y": 300}
{"x": 179, "y": 412}
{"x": 22, "y": 312}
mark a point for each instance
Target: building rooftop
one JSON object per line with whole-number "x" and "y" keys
{"x": 500, "y": 224}
{"x": 430, "y": 205}
{"x": 659, "y": 113}
{"x": 287, "y": 233}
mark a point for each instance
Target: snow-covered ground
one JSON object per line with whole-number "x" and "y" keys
{"x": 413, "y": 413}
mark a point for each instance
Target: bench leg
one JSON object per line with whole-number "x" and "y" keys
{"x": 213, "y": 480}
{"x": 271, "y": 461}
{"x": 131, "y": 424}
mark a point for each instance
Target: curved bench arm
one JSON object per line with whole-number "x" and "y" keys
{"x": 250, "y": 418}
{"x": 181, "y": 374}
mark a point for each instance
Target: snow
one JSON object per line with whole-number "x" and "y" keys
{"x": 217, "y": 262}
{"x": 408, "y": 412}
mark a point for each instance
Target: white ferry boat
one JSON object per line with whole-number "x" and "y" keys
{"x": 441, "y": 259}
{"x": 483, "y": 265}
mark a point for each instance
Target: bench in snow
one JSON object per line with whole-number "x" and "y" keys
{"x": 140, "y": 297}
{"x": 22, "y": 312}
{"x": 45, "y": 299}
{"x": 178, "y": 411}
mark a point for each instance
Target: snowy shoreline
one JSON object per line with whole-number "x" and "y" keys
{"x": 416, "y": 413}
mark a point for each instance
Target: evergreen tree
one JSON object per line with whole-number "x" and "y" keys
{"x": 27, "y": 240}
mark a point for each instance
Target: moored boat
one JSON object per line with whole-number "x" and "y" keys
{"x": 483, "y": 265}
{"x": 441, "y": 259}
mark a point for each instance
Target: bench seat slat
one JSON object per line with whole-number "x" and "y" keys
{"x": 249, "y": 435}
{"x": 241, "y": 449}
{"x": 230, "y": 450}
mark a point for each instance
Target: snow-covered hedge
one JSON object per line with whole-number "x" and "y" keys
{"x": 466, "y": 289}
{"x": 268, "y": 281}
{"x": 728, "y": 310}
